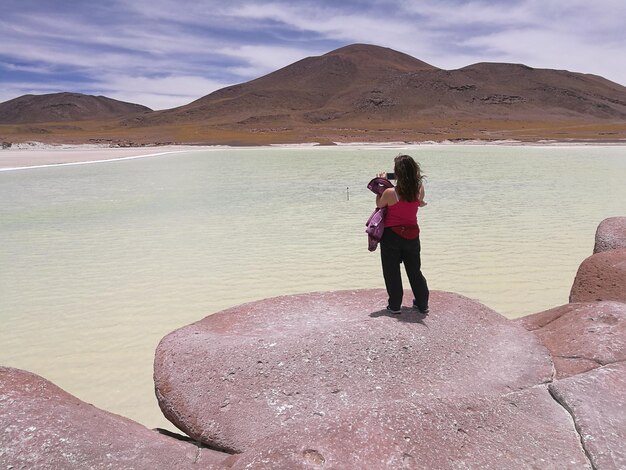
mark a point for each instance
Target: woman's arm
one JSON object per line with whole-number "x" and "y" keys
{"x": 420, "y": 195}
{"x": 387, "y": 197}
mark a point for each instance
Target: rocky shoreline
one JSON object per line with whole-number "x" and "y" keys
{"x": 326, "y": 380}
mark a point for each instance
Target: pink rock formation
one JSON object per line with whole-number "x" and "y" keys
{"x": 286, "y": 363}
{"x": 328, "y": 380}
{"x": 526, "y": 429}
{"x": 581, "y": 336}
{"x": 602, "y": 276}
{"x": 45, "y": 427}
{"x": 611, "y": 234}
{"x": 596, "y": 401}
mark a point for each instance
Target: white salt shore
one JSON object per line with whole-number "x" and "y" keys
{"x": 39, "y": 155}
{"x": 36, "y": 154}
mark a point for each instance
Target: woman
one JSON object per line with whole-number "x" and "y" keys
{"x": 400, "y": 242}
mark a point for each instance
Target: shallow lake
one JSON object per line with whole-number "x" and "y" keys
{"x": 100, "y": 261}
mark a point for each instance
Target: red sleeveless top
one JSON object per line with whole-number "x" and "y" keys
{"x": 401, "y": 218}
{"x": 402, "y": 213}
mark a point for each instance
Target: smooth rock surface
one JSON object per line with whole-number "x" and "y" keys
{"x": 527, "y": 429}
{"x": 257, "y": 369}
{"x": 581, "y": 336}
{"x": 44, "y": 427}
{"x": 596, "y": 401}
{"x": 610, "y": 234}
{"x": 602, "y": 276}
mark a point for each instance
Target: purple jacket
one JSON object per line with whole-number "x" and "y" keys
{"x": 375, "y": 225}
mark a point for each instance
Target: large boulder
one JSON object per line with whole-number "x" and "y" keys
{"x": 271, "y": 366}
{"x": 602, "y": 276}
{"x": 44, "y": 427}
{"x": 611, "y": 234}
{"x": 581, "y": 336}
{"x": 526, "y": 429}
{"x": 596, "y": 401}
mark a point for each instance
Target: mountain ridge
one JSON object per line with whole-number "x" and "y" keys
{"x": 360, "y": 79}
{"x": 366, "y": 92}
{"x": 64, "y": 106}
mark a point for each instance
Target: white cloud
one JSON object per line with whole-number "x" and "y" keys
{"x": 38, "y": 69}
{"x": 443, "y": 15}
{"x": 555, "y": 50}
{"x": 176, "y": 11}
{"x": 261, "y": 59}
{"x": 401, "y": 33}
{"x": 578, "y": 35}
{"x": 157, "y": 92}
{"x": 85, "y": 47}
{"x": 155, "y": 101}
{"x": 10, "y": 90}
{"x": 333, "y": 24}
{"x": 79, "y": 58}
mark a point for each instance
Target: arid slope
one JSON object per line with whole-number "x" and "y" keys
{"x": 64, "y": 107}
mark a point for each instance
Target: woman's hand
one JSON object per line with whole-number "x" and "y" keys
{"x": 381, "y": 174}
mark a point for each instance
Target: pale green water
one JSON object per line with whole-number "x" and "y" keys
{"x": 99, "y": 262}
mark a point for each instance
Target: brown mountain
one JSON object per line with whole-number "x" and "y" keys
{"x": 370, "y": 82}
{"x": 370, "y": 89}
{"x": 328, "y": 84}
{"x": 64, "y": 107}
{"x": 370, "y": 93}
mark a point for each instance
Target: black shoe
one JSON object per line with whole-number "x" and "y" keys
{"x": 421, "y": 309}
{"x": 395, "y": 312}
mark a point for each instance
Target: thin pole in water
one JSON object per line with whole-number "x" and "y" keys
{"x": 348, "y": 192}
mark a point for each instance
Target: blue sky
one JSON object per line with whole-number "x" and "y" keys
{"x": 166, "y": 53}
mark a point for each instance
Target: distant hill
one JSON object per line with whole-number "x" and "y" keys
{"x": 64, "y": 107}
{"x": 362, "y": 82}
{"x": 326, "y": 84}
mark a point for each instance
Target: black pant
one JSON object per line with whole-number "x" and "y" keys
{"x": 395, "y": 250}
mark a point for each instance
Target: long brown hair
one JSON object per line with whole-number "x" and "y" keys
{"x": 409, "y": 177}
